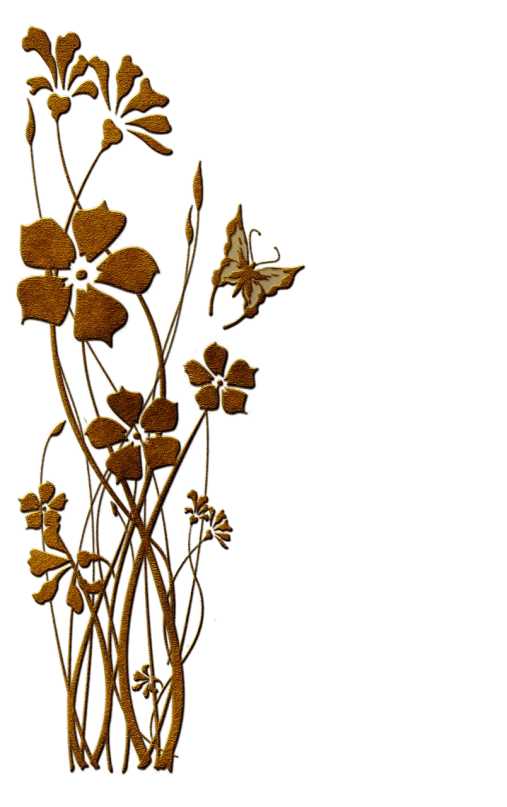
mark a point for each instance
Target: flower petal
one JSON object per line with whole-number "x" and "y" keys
{"x": 46, "y": 245}
{"x": 104, "y": 432}
{"x": 197, "y": 374}
{"x": 98, "y": 316}
{"x": 34, "y": 521}
{"x": 160, "y": 416}
{"x": 153, "y": 144}
{"x": 102, "y": 70}
{"x": 127, "y": 405}
{"x": 66, "y": 46}
{"x": 207, "y": 398}
{"x": 125, "y": 463}
{"x": 49, "y": 588}
{"x": 38, "y": 83}
{"x": 46, "y": 492}
{"x": 125, "y": 77}
{"x": 41, "y": 562}
{"x": 87, "y": 88}
{"x": 193, "y": 496}
{"x": 160, "y": 452}
{"x": 52, "y": 519}
{"x": 130, "y": 269}
{"x": 96, "y": 229}
{"x": 74, "y": 598}
{"x": 59, "y": 502}
{"x": 46, "y": 299}
{"x": 156, "y": 124}
{"x": 78, "y": 69}
{"x": 145, "y": 99}
{"x": 37, "y": 39}
{"x": 59, "y": 105}
{"x": 112, "y": 134}
{"x": 233, "y": 401}
{"x": 241, "y": 375}
{"x": 29, "y": 502}
{"x": 215, "y": 357}
{"x": 53, "y": 540}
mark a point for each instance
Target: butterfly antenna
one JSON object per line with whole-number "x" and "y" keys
{"x": 250, "y": 242}
{"x": 263, "y": 262}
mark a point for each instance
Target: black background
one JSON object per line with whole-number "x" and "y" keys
{"x": 249, "y": 696}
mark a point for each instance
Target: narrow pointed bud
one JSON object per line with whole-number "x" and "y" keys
{"x": 58, "y": 429}
{"x": 30, "y": 129}
{"x": 189, "y": 230}
{"x": 114, "y": 509}
{"x": 198, "y": 187}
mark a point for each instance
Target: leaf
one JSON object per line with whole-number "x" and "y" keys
{"x": 125, "y": 77}
{"x": 98, "y": 316}
{"x": 241, "y": 375}
{"x": 127, "y": 405}
{"x": 96, "y": 229}
{"x": 137, "y": 687}
{"x": 130, "y": 269}
{"x": 53, "y": 540}
{"x": 151, "y": 142}
{"x": 37, "y": 39}
{"x": 197, "y": 374}
{"x": 45, "y": 299}
{"x": 140, "y": 676}
{"x": 160, "y": 452}
{"x": 74, "y": 598}
{"x": 266, "y": 280}
{"x": 112, "y": 134}
{"x": 46, "y": 492}
{"x": 59, "y": 105}
{"x": 145, "y": 99}
{"x": 215, "y": 357}
{"x": 49, "y": 589}
{"x": 104, "y": 432}
{"x": 45, "y": 245}
{"x": 189, "y": 230}
{"x": 156, "y": 124}
{"x": 198, "y": 187}
{"x": 58, "y": 502}
{"x": 65, "y": 48}
{"x": 102, "y": 69}
{"x": 41, "y": 562}
{"x": 84, "y": 558}
{"x": 160, "y": 416}
{"x": 34, "y": 521}
{"x": 30, "y": 127}
{"x": 233, "y": 401}
{"x": 58, "y": 429}
{"x": 93, "y": 588}
{"x": 38, "y": 83}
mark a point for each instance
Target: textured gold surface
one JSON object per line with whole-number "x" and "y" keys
{"x": 127, "y": 439}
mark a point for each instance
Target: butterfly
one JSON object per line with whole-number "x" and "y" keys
{"x": 239, "y": 269}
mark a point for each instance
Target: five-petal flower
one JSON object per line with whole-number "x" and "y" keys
{"x": 240, "y": 375}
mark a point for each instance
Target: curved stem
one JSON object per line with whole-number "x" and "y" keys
{"x": 35, "y": 181}
{"x": 232, "y": 324}
{"x": 158, "y": 346}
{"x": 64, "y": 164}
{"x": 92, "y": 166}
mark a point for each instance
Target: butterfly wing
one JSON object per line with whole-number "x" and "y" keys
{"x": 235, "y": 255}
{"x": 266, "y": 283}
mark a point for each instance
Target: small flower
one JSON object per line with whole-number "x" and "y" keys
{"x": 240, "y": 375}
{"x": 219, "y": 527}
{"x": 57, "y": 59}
{"x": 159, "y": 449}
{"x": 145, "y": 680}
{"x": 38, "y": 513}
{"x": 200, "y": 508}
{"x": 45, "y": 245}
{"x": 146, "y": 98}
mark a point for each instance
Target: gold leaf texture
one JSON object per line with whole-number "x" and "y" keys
{"x": 96, "y": 229}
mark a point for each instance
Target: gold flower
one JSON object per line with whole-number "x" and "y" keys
{"x": 160, "y": 450}
{"x": 240, "y": 375}
{"x": 57, "y": 59}
{"x": 45, "y": 245}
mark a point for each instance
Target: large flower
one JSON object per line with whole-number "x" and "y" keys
{"x": 240, "y": 375}
{"x": 159, "y": 451}
{"x": 57, "y": 59}
{"x": 45, "y": 245}
{"x": 144, "y": 99}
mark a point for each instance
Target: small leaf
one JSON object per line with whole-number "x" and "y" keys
{"x": 74, "y": 598}
{"x": 53, "y": 540}
{"x": 198, "y": 187}
{"x": 98, "y": 316}
{"x": 86, "y": 88}
{"x": 45, "y": 245}
{"x": 156, "y": 124}
{"x": 125, "y": 463}
{"x": 30, "y": 128}
{"x": 45, "y": 299}
{"x": 145, "y": 99}
{"x": 29, "y": 502}
{"x": 104, "y": 432}
{"x": 58, "y": 502}
{"x": 102, "y": 69}
{"x": 58, "y": 429}
{"x": 130, "y": 269}
{"x": 160, "y": 452}
{"x": 38, "y": 83}
{"x": 96, "y": 229}
{"x": 65, "y": 49}
{"x": 137, "y": 687}
{"x": 112, "y": 134}
{"x": 160, "y": 416}
{"x": 151, "y": 142}
{"x": 125, "y": 77}
{"x": 59, "y": 105}
{"x": 93, "y": 588}
{"x": 41, "y": 562}
{"x": 37, "y": 39}
{"x": 127, "y": 405}
{"x": 49, "y": 589}
{"x": 34, "y": 521}
{"x": 84, "y": 558}
{"x": 189, "y": 230}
